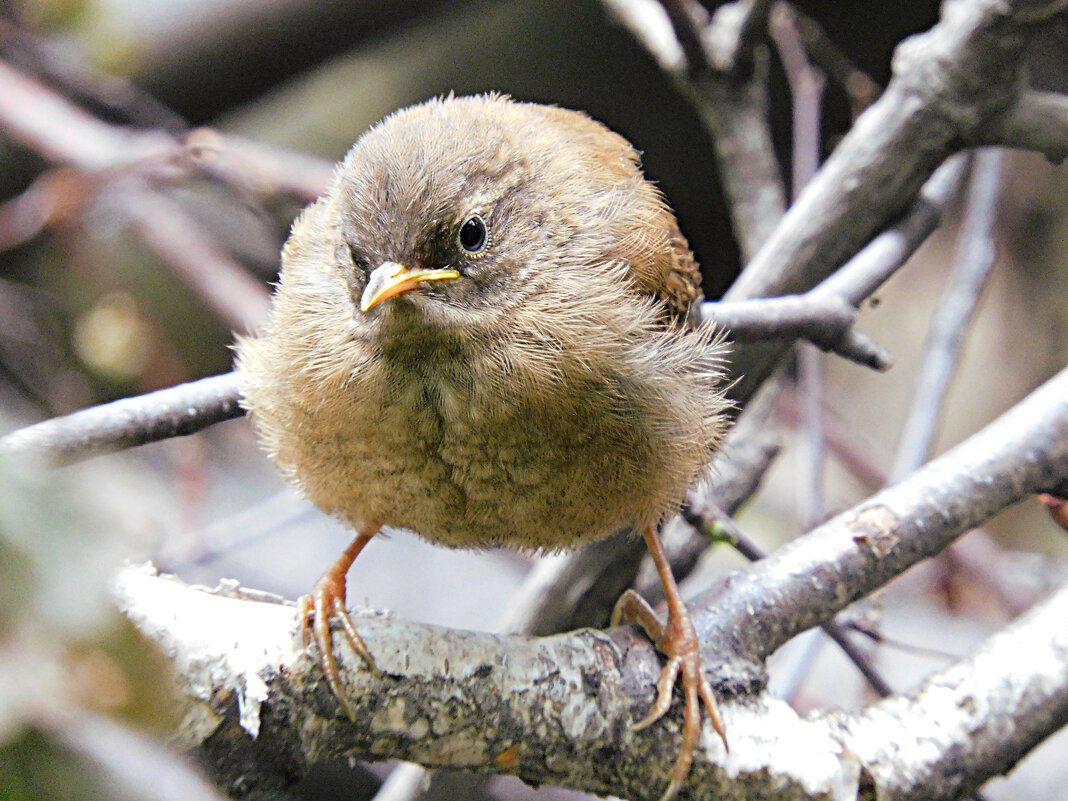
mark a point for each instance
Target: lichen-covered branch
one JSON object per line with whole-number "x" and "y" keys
{"x": 557, "y": 709}
{"x": 973, "y": 721}
{"x": 551, "y": 709}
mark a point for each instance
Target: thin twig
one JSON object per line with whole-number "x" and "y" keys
{"x": 240, "y": 301}
{"x": 82, "y": 80}
{"x": 733, "y": 110}
{"x": 858, "y": 86}
{"x": 953, "y": 311}
{"x": 1037, "y": 121}
{"x": 688, "y": 32}
{"x": 806, "y": 88}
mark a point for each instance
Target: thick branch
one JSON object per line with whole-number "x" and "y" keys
{"x": 503, "y": 703}
{"x": 975, "y": 720}
{"x": 948, "y": 83}
{"x": 553, "y": 709}
{"x": 556, "y": 709}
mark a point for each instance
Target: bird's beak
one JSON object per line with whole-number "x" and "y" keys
{"x": 391, "y": 278}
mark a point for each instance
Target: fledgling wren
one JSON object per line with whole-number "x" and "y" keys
{"x": 482, "y": 333}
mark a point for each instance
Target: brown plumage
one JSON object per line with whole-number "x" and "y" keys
{"x": 481, "y": 333}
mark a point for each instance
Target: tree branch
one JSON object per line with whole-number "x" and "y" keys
{"x": 173, "y": 412}
{"x": 557, "y": 709}
{"x": 732, "y": 108}
{"x": 1023, "y": 452}
{"x": 973, "y": 262}
{"x": 948, "y": 84}
{"x": 1036, "y": 121}
{"x": 975, "y": 720}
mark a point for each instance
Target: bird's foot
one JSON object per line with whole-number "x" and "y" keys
{"x": 678, "y": 642}
{"x": 325, "y": 602}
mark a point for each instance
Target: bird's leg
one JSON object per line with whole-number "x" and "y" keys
{"x": 678, "y": 642}
{"x": 327, "y": 600}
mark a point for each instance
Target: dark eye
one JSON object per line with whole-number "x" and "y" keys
{"x": 472, "y": 236}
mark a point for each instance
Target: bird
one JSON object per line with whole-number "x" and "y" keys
{"x": 486, "y": 332}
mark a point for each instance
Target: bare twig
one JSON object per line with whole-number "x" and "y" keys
{"x": 823, "y": 319}
{"x": 225, "y": 286}
{"x": 862, "y": 275}
{"x": 948, "y": 83}
{"x": 806, "y": 87}
{"x": 738, "y": 29}
{"x": 824, "y": 315}
{"x": 733, "y": 110}
{"x": 66, "y": 134}
{"x": 63, "y": 133}
{"x": 174, "y": 412}
{"x": 81, "y": 79}
{"x": 682, "y": 14}
{"x": 859, "y": 87}
{"x": 953, "y": 310}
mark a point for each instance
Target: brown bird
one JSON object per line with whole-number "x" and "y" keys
{"x": 483, "y": 333}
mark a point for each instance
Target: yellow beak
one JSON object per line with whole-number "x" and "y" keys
{"x": 391, "y": 278}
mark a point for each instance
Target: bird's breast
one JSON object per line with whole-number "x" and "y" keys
{"x": 465, "y": 453}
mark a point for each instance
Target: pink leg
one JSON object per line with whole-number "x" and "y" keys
{"x": 678, "y": 642}
{"x": 327, "y": 600}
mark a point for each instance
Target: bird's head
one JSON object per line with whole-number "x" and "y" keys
{"x": 455, "y": 211}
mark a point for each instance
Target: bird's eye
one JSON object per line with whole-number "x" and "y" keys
{"x": 359, "y": 260}
{"x": 472, "y": 236}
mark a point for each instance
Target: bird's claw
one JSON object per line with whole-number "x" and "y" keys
{"x": 678, "y": 642}
{"x": 326, "y": 602}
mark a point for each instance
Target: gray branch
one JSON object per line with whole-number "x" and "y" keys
{"x": 734, "y": 110}
{"x": 557, "y": 709}
{"x": 1023, "y": 452}
{"x": 173, "y": 412}
{"x": 975, "y": 720}
{"x": 949, "y": 83}
{"x": 1037, "y": 121}
{"x": 973, "y": 262}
